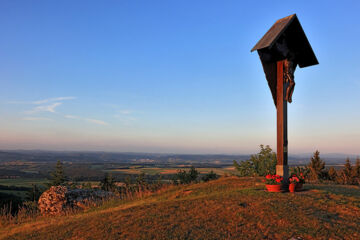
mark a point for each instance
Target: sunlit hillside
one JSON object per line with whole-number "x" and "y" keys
{"x": 228, "y": 208}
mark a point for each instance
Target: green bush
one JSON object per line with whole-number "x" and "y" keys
{"x": 108, "y": 183}
{"x": 184, "y": 177}
{"x": 210, "y": 176}
{"x": 259, "y": 164}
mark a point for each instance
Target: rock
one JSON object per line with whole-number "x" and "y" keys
{"x": 59, "y": 199}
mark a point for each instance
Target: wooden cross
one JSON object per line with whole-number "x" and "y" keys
{"x": 283, "y": 47}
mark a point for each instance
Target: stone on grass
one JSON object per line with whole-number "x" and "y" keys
{"x": 59, "y": 199}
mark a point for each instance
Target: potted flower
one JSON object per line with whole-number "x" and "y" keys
{"x": 273, "y": 183}
{"x": 292, "y": 183}
{"x": 299, "y": 185}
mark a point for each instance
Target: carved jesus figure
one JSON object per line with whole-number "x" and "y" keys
{"x": 289, "y": 69}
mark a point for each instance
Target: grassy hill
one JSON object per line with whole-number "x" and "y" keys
{"x": 228, "y": 208}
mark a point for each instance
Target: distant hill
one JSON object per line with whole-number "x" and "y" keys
{"x": 133, "y": 157}
{"x": 52, "y": 156}
{"x": 228, "y": 208}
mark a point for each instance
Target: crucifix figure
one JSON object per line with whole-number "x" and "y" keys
{"x": 289, "y": 69}
{"x": 283, "y": 47}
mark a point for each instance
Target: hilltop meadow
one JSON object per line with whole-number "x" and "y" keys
{"x": 227, "y": 208}
{"x": 171, "y": 199}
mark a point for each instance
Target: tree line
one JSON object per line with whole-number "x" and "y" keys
{"x": 315, "y": 171}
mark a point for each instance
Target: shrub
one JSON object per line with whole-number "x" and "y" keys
{"x": 184, "y": 177}
{"x": 108, "y": 183}
{"x": 210, "y": 176}
{"x": 259, "y": 164}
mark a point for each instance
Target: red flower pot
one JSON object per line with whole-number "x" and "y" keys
{"x": 298, "y": 187}
{"x": 292, "y": 187}
{"x": 273, "y": 188}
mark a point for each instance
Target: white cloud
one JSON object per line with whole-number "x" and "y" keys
{"x": 96, "y": 121}
{"x": 36, "y": 119}
{"x": 72, "y": 117}
{"x": 52, "y": 100}
{"x": 45, "y": 108}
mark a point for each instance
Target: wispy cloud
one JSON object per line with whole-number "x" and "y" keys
{"x": 36, "y": 119}
{"x": 50, "y": 104}
{"x": 90, "y": 120}
{"x": 45, "y": 108}
{"x": 44, "y": 105}
{"x": 72, "y": 117}
{"x": 43, "y": 101}
{"x": 53, "y": 100}
{"x": 96, "y": 121}
{"x": 125, "y": 116}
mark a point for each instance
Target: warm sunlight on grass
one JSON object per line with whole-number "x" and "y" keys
{"x": 228, "y": 208}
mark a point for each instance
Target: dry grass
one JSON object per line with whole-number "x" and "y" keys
{"x": 228, "y": 208}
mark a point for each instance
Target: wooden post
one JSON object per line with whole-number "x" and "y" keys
{"x": 282, "y": 168}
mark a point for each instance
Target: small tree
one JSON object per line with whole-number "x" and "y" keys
{"x": 184, "y": 177}
{"x": 58, "y": 176}
{"x": 356, "y": 171}
{"x": 245, "y": 168}
{"x": 316, "y": 167}
{"x": 193, "y": 174}
{"x": 347, "y": 172}
{"x": 33, "y": 194}
{"x": 332, "y": 174}
{"x": 259, "y": 164}
{"x": 108, "y": 183}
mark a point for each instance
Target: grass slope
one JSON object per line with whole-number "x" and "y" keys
{"x": 228, "y": 208}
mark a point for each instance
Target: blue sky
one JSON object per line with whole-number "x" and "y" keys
{"x": 171, "y": 76}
